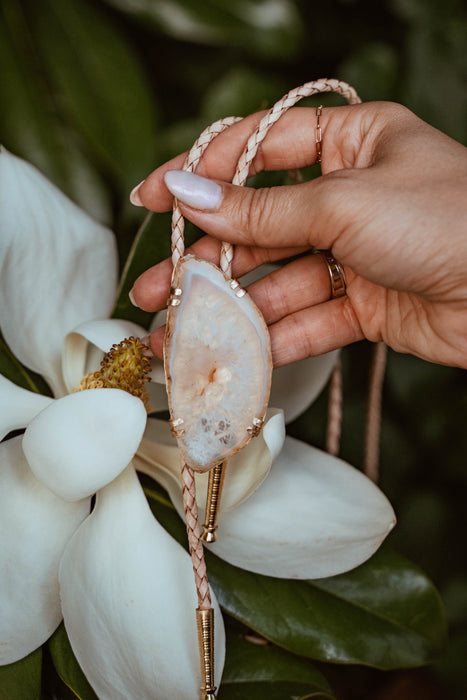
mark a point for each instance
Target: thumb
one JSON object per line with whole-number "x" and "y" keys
{"x": 296, "y": 215}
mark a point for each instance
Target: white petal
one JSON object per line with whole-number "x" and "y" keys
{"x": 18, "y": 406}
{"x": 159, "y": 457}
{"x": 314, "y": 516}
{"x": 156, "y": 387}
{"x": 85, "y": 346}
{"x": 129, "y": 600}
{"x": 295, "y": 386}
{"x": 35, "y": 526}
{"x": 58, "y": 267}
{"x": 83, "y": 441}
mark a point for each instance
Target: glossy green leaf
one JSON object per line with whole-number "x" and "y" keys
{"x": 12, "y": 369}
{"x": 101, "y": 86}
{"x": 151, "y": 245}
{"x": 265, "y": 27}
{"x": 29, "y": 126}
{"x": 264, "y": 672}
{"x": 67, "y": 667}
{"x": 22, "y": 680}
{"x": 386, "y": 613}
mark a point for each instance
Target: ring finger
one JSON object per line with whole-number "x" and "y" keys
{"x": 296, "y": 286}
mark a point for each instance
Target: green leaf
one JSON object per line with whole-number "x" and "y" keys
{"x": 385, "y": 613}
{"x": 100, "y": 85}
{"x": 265, "y": 672}
{"x": 265, "y": 27}
{"x": 29, "y": 126}
{"x": 12, "y": 369}
{"x": 22, "y": 680}
{"x": 67, "y": 667}
{"x": 151, "y": 245}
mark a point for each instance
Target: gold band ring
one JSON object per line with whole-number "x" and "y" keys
{"x": 318, "y": 133}
{"x": 336, "y": 274}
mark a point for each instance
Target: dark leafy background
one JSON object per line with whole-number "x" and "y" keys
{"x": 98, "y": 93}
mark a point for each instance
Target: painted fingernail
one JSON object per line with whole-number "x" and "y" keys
{"x": 134, "y": 196}
{"x": 196, "y": 191}
{"x": 132, "y": 298}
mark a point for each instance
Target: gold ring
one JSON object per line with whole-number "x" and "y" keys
{"x": 318, "y": 133}
{"x": 336, "y": 274}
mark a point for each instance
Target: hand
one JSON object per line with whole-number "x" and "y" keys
{"x": 391, "y": 205}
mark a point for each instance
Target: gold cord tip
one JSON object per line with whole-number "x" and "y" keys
{"x": 213, "y": 499}
{"x": 205, "y": 625}
{"x": 209, "y": 534}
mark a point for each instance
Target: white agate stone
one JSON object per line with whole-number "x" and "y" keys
{"x": 217, "y": 361}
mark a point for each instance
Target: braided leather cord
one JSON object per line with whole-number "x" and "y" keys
{"x": 335, "y": 408}
{"x": 194, "y": 537}
{"x": 226, "y": 257}
{"x": 191, "y": 163}
{"x": 374, "y": 407}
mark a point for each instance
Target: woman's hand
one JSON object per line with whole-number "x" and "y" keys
{"x": 391, "y": 205}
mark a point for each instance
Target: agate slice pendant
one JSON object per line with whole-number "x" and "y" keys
{"x": 218, "y": 364}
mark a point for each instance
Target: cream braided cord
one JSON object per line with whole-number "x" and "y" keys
{"x": 194, "y": 538}
{"x": 373, "y": 416}
{"x": 190, "y": 164}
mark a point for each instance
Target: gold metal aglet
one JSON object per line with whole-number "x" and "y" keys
{"x": 213, "y": 499}
{"x": 205, "y": 625}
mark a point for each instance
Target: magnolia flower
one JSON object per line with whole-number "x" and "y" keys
{"x": 126, "y": 587}
{"x": 123, "y": 585}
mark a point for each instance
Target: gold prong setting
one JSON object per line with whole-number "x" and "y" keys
{"x": 176, "y": 427}
{"x": 237, "y": 289}
{"x": 255, "y": 429}
{"x": 174, "y": 297}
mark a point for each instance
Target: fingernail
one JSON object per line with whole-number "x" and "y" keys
{"x": 134, "y": 196}
{"x": 132, "y": 298}
{"x": 196, "y": 191}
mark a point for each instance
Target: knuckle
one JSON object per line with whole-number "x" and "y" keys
{"x": 392, "y": 110}
{"x": 337, "y": 197}
{"x": 351, "y": 321}
{"x": 256, "y": 215}
{"x": 300, "y": 338}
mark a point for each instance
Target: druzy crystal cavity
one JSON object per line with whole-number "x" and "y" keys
{"x": 217, "y": 362}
